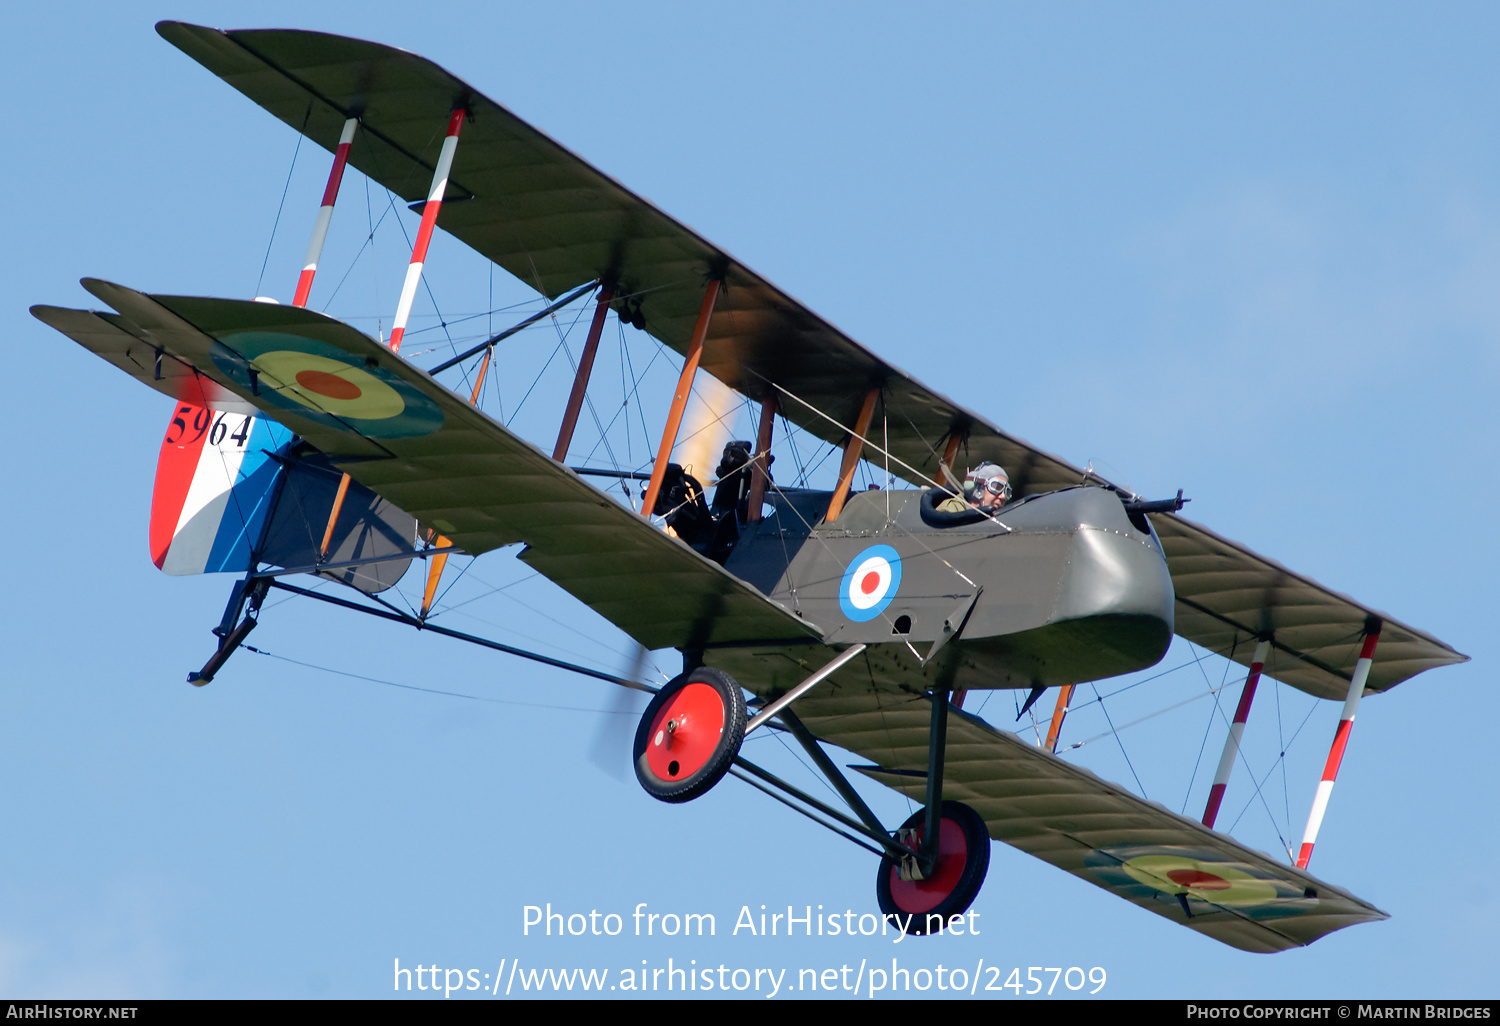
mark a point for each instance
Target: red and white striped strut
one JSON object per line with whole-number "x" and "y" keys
{"x": 1236, "y": 731}
{"x": 1340, "y": 740}
{"x": 325, "y": 214}
{"x": 424, "y": 233}
{"x": 178, "y": 467}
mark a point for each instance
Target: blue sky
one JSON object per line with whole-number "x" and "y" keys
{"x": 1251, "y": 252}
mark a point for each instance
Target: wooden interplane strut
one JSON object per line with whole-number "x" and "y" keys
{"x": 680, "y": 397}
{"x": 581, "y": 379}
{"x": 853, "y": 449}
{"x": 760, "y": 463}
{"x": 1064, "y": 695}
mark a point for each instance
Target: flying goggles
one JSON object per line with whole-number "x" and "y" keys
{"x": 973, "y": 486}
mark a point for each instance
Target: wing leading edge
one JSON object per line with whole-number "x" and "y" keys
{"x": 411, "y": 441}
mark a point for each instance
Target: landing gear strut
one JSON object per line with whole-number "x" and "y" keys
{"x": 931, "y": 869}
{"x": 945, "y": 848}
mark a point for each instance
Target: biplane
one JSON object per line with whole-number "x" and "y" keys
{"x": 298, "y": 444}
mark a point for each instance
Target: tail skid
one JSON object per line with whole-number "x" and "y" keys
{"x": 251, "y": 591}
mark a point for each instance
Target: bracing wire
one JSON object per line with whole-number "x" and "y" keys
{"x": 1215, "y": 711}
{"x": 1116, "y": 733}
{"x": 430, "y": 691}
{"x": 284, "y": 189}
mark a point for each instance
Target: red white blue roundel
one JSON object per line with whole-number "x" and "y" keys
{"x": 870, "y": 583}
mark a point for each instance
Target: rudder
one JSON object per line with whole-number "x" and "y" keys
{"x": 217, "y": 477}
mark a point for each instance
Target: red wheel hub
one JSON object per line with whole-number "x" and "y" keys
{"x": 685, "y": 732}
{"x": 918, "y": 896}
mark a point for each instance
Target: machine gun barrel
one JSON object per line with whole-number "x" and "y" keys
{"x": 1157, "y": 505}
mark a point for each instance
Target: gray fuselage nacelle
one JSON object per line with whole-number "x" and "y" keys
{"x": 1073, "y": 591}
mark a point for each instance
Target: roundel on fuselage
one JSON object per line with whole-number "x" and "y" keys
{"x": 870, "y": 583}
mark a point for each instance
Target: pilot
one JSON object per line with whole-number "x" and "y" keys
{"x": 986, "y": 488}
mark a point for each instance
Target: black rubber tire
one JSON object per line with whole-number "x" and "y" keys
{"x": 696, "y": 782}
{"x": 965, "y": 887}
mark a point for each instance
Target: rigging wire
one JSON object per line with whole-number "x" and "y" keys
{"x": 510, "y": 630}
{"x": 369, "y": 243}
{"x": 1074, "y": 708}
{"x": 1136, "y": 684}
{"x": 374, "y": 266}
{"x": 438, "y": 598}
{"x": 1281, "y": 760}
{"x": 919, "y": 476}
{"x": 1035, "y": 726}
{"x": 635, "y": 388}
{"x": 789, "y": 431}
{"x": 562, "y": 344}
{"x": 1202, "y": 745}
{"x": 284, "y": 189}
{"x": 726, "y": 417}
{"x": 502, "y": 591}
{"x": 1286, "y": 795}
{"x": 801, "y": 759}
{"x": 624, "y": 404}
{"x": 1116, "y": 733}
{"x": 821, "y": 460}
{"x": 598, "y": 425}
{"x": 430, "y": 691}
{"x": 535, "y": 381}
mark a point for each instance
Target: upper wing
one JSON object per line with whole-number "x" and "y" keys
{"x": 410, "y": 440}
{"x": 1067, "y": 816}
{"x": 1227, "y": 595}
{"x": 556, "y": 222}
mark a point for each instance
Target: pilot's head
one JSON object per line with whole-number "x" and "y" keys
{"x": 987, "y": 486}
